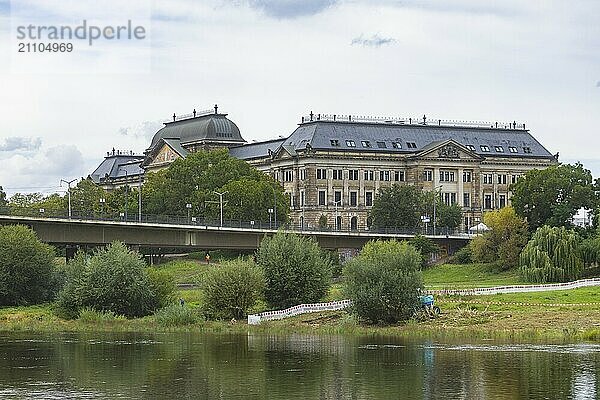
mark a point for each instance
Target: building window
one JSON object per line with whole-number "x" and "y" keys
{"x": 470, "y": 147}
{"x": 381, "y": 145}
{"x": 514, "y": 178}
{"x": 399, "y": 176}
{"x": 449, "y": 198}
{"x": 303, "y": 174}
{"x": 488, "y": 179}
{"x": 288, "y": 175}
{"x": 322, "y": 196}
{"x": 353, "y": 174}
{"x": 499, "y": 149}
{"x": 466, "y": 199}
{"x": 467, "y": 223}
{"x": 466, "y": 176}
{"x": 396, "y": 145}
{"x": 487, "y": 202}
{"x": 447, "y": 176}
{"x": 527, "y": 150}
{"x": 321, "y": 173}
{"x": 384, "y": 176}
{"x": 502, "y": 200}
{"x": 428, "y": 175}
{"x": 512, "y": 149}
{"x": 353, "y": 199}
{"x": 350, "y": 143}
{"x": 337, "y": 197}
{"x": 365, "y": 143}
{"x": 501, "y": 179}
{"x": 338, "y": 174}
{"x": 369, "y": 199}
{"x": 335, "y": 142}
{"x": 302, "y": 198}
{"x": 411, "y": 145}
{"x": 484, "y": 148}
{"x": 369, "y": 175}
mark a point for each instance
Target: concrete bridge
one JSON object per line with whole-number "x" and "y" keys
{"x": 92, "y": 232}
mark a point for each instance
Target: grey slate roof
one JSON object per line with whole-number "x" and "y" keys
{"x": 256, "y": 150}
{"x": 114, "y": 166}
{"x": 205, "y": 127}
{"x": 319, "y": 134}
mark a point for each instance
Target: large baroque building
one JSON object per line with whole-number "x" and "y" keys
{"x": 333, "y": 165}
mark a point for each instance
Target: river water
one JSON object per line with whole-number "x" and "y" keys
{"x": 259, "y": 366}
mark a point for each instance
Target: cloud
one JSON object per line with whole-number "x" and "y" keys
{"x": 598, "y": 84}
{"x": 17, "y": 143}
{"x": 283, "y": 9}
{"x": 372, "y": 41}
{"x": 143, "y": 130}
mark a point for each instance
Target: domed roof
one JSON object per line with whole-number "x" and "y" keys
{"x": 210, "y": 127}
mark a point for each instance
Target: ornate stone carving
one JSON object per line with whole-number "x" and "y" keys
{"x": 448, "y": 151}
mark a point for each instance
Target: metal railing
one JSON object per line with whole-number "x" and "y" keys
{"x": 183, "y": 220}
{"x": 255, "y": 319}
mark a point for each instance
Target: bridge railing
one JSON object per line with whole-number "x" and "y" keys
{"x": 208, "y": 222}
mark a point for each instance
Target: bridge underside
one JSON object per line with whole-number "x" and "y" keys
{"x": 78, "y": 232}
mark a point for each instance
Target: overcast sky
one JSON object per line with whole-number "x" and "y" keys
{"x": 268, "y": 62}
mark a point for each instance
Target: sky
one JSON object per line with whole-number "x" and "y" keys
{"x": 268, "y": 62}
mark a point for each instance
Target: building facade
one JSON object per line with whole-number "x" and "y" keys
{"x": 332, "y": 166}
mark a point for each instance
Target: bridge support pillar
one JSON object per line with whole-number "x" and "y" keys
{"x": 70, "y": 251}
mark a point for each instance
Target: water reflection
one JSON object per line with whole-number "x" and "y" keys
{"x": 214, "y": 366}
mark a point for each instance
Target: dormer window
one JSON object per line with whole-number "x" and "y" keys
{"x": 396, "y": 145}
{"x": 365, "y": 143}
{"x": 470, "y": 147}
{"x": 335, "y": 142}
{"x": 527, "y": 150}
{"x": 499, "y": 149}
{"x": 411, "y": 145}
{"x": 485, "y": 148}
{"x": 381, "y": 145}
{"x": 350, "y": 143}
{"x": 512, "y": 149}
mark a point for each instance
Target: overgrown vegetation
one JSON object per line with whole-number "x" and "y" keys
{"x": 232, "y": 288}
{"x": 296, "y": 270}
{"x": 552, "y": 255}
{"x": 383, "y": 281}
{"x": 114, "y": 280}
{"x": 176, "y": 315}
{"x": 26, "y": 267}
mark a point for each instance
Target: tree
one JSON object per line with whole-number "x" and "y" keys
{"x": 296, "y": 270}
{"x": 552, "y": 255}
{"x": 25, "y": 200}
{"x": 383, "y": 282}
{"x": 504, "y": 241}
{"x": 85, "y": 197}
{"x": 194, "y": 179}
{"x": 425, "y": 246}
{"x": 553, "y": 195}
{"x": 398, "y": 206}
{"x": 114, "y": 279}
{"x": 448, "y": 216}
{"x": 26, "y": 267}
{"x": 232, "y": 288}
{"x": 3, "y": 201}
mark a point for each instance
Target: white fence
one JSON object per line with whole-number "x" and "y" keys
{"x": 519, "y": 288}
{"x": 297, "y": 310}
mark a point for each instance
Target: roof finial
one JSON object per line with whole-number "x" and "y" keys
{"x": 424, "y": 120}
{"x": 311, "y": 115}
{"x": 194, "y": 113}
{"x": 174, "y": 117}
{"x": 216, "y": 109}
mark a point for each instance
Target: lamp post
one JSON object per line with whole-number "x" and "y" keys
{"x": 102, "y": 202}
{"x": 189, "y": 210}
{"x": 270, "y": 216}
{"x": 274, "y": 205}
{"x": 140, "y": 198}
{"x": 220, "y": 203}
{"x": 126, "y": 190}
{"x": 68, "y": 192}
{"x": 435, "y": 201}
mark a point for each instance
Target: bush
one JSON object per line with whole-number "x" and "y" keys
{"x": 552, "y": 255}
{"x": 232, "y": 288}
{"x": 462, "y": 256}
{"x": 89, "y": 315}
{"x": 26, "y": 267}
{"x": 176, "y": 315}
{"x": 425, "y": 246}
{"x": 296, "y": 270}
{"x": 113, "y": 279}
{"x": 383, "y": 282}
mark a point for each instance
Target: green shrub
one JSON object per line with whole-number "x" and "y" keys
{"x": 176, "y": 315}
{"x": 552, "y": 255}
{"x": 113, "y": 279}
{"x": 26, "y": 267}
{"x": 89, "y": 315}
{"x": 425, "y": 246}
{"x": 232, "y": 288}
{"x": 162, "y": 286}
{"x": 462, "y": 256}
{"x": 383, "y": 282}
{"x": 296, "y": 270}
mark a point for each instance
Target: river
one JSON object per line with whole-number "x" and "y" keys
{"x": 259, "y": 366}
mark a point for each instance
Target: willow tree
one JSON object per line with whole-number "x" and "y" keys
{"x": 552, "y": 255}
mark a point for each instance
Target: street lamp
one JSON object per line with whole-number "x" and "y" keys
{"x": 102, "y": 202}
{"x": 270, "y": 215}
{"x": 435, "y": 201}
{"x": 126, "y": 190}
{"x": 68, "y": 192}
{"x": 189, "y": 210}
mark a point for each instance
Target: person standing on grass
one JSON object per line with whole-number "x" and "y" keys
{"x": 207, "y": 257}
